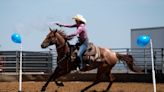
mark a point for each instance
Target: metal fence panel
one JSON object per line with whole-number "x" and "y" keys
{"x": 31, "y": 61}
{"x": 46, "y": 61}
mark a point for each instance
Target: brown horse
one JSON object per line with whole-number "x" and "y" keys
{"x": 105, "y": 61}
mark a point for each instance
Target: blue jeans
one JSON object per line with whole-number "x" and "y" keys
{"x": 82, "y": 49}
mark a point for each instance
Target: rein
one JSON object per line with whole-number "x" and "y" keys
{"x": 65, "y": 55}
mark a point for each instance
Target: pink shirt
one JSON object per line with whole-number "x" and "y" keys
{"x": 81, "y": 31}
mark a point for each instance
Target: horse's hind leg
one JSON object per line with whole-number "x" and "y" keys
{"x": 94, "y": 83}
{"x": 98, "y": 78}
{"x": 111, "y": 79}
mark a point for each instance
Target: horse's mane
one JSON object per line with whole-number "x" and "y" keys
{"x": 61, "y": 32}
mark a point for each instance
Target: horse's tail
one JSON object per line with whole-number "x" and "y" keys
{"x": 128, "y": 59}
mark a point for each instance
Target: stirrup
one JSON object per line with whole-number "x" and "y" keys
{"x": 78, "y": 69}
{"x": 87, "y": 65}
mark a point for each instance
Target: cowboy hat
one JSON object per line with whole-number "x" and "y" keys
{"x": 79, "y": 17}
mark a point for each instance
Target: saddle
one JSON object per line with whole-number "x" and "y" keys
{"x": 91, "y": 54}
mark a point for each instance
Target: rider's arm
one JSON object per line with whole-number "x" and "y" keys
{"x": 64, "y": 25}
{"x": 70, "y": 26}
{"x": 78, "y": 31}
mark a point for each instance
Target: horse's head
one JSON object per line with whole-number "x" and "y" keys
{"x": 54, "y": 37}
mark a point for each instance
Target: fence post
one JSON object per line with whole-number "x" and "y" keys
{"x": 50, "y": 61}
{"x": 127, "y": 51}
{"x": 145, "y": 61}
{"x": 162, "y": 61}
{"x": 1, "y": 63}
{"x": 155, "y": 60}
{"x": 17, "y": 61}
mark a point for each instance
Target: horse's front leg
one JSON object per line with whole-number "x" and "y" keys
{"x": 54, "y": 75}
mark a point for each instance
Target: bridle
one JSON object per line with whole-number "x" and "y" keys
{"x": 57, "y": 43}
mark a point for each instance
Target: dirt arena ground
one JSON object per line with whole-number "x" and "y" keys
{"x": 76, "y": 86}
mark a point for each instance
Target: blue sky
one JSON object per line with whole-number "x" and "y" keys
{"x": 108, "y": 21}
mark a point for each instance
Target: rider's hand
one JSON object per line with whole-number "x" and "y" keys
{"x": 69, "y": 37}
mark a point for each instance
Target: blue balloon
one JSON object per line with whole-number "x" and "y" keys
{"x": 143, "y": 40}
{"x": 16, "y": 38}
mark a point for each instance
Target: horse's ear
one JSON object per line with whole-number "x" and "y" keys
{"x": 50, "y": 29}
{"x": 56, "y": 30}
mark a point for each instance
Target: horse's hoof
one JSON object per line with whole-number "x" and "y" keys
{"x": 59, "y": 83}
{"x": 43, "y": 90}
{"x": 82, "y": 90}
{"x": 94, "y": 91}
{"x": 105, "y": 91}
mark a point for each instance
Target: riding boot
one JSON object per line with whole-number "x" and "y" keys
{"x": 80, "y": 63}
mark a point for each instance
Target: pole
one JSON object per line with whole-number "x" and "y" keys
{"x": 20, "y": 69}
{"x": 153, "y": 71}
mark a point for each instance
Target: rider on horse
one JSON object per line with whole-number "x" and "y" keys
{"x": 82, "y": 32}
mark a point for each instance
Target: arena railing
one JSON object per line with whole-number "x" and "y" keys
{"x": 45, "y": 62}
{"x": 33, "y": 62}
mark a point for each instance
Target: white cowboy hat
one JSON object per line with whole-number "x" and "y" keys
{"x": 79, "y": 18}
